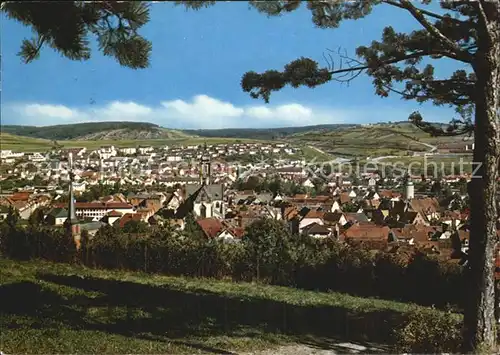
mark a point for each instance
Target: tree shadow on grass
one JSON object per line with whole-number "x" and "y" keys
{"x": 161, "y": 313}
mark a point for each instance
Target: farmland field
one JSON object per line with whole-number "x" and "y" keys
{"x": 400, "y": 139}
{"x": 28, "y": 144}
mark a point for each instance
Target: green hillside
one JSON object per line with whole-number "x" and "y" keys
{"x": 372, "y": 140}
{"x": 264, "y": 133}
{"x": 24, "y": 144}
{"x": 324, "y": 141}
{"x": 97, "y": 131}
{"x": 27, "y": 144}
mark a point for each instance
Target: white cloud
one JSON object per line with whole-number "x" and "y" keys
{"x": 294, "y": 112}
{"x": 128, "y": 109}
{"x": 52, "y": 111}
{"x": 203, "y": 106}
{"x": 201, "y": 111}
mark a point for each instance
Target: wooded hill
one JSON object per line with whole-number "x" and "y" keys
{"x": 96, "y": 131}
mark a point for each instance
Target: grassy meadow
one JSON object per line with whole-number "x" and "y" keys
{"x": 23, "y": 144}
{"x": 60, "y": 308}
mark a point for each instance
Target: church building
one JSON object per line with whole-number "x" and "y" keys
{"x": 204, "y": 199}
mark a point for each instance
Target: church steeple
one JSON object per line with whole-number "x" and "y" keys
{"x": 71, "y": 222}
{"x": 409, "y": 188}
{"x": 205, "y": 166}
{"x": 101, "y": 168}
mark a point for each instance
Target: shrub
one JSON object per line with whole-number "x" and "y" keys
{"x": 428, "y": 331}
{"x": 268, "y": 253}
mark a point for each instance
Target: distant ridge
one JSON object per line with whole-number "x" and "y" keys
{"x": 96, "y": 131}
{"x": 92, "y": 131}
{"x": 264, "y": 133}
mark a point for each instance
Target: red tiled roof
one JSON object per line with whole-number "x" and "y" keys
{"x": 19, "y": 205}
{"x": 210, "y": 226}
{"x": 419, "y": 233}
{"x": 451, "y": 214}
{"x": 367, "y": 231}
{"x": 344, "y": 198}
{"x": 425, "y": 205}
{"x": 6, "y": 201}
{"x": 88, "y": 174}
{"x": 127, "y": 217}
{"x": 314, "y": 214}
{"x": 20, "y": 196}
{"x": 371, "y": 244}
{"x": 315, "y": 228}
{"x": 238, "y": 232}
{"x": 464, "y": 235}
{"x": 290, "y": 212}
{"x": 389, "y": 194}
{"x": 114, "y": 213}
{"x": 332, "y": 217}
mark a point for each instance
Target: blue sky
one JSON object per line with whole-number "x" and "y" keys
{"x": 194, "y": 80}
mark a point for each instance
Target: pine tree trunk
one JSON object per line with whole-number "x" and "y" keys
{"x": 479, "y": 321}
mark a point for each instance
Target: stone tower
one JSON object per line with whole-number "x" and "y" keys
{"x": 205, "y": 167}
{"x": 409, "y": 189}
{"x": 72, "y": 224}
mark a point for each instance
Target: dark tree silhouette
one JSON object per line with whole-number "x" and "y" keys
{"x": 67, "y": 27}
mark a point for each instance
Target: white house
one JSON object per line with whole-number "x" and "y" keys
{"x": 106, "y": 152}
{"x": 143, "y": 150}
{"x": 335, "y": 206}
{"x": 317, "y": 231}
{"x": 6, "y": 154}
{"x": 308, "y": 183}
{"x": 128, "y": 151}
{"x": 174, "y": 158}
{"x": 310, "y": 218}
{"x": 57, "y": 216}
{"x": 100, "y": 209}
{"x": 79, "y": 187}
{"x": 227, "y": 237}
{"x": 36, "y": 157}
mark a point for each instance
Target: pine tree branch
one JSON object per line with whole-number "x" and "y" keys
{"x": 425, "y": 12}
{"x": 435, "y": 132}
{"x": 305, "y": 72}
{"x": 422, "y": 97}
{"x": 386, "y": 62}
{"x": 457, "y": 52}
{"x": 29, "y": 57}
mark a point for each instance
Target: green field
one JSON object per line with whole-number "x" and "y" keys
{"x": 27, "y": 144}
{"x": 310, "y": 154}
{"x": 23, "y": 144}
{"x": 374, "y": 140}
{"x": 59, "y": 308}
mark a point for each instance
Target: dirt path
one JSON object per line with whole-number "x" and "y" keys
{"x": 335, "y": 348}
